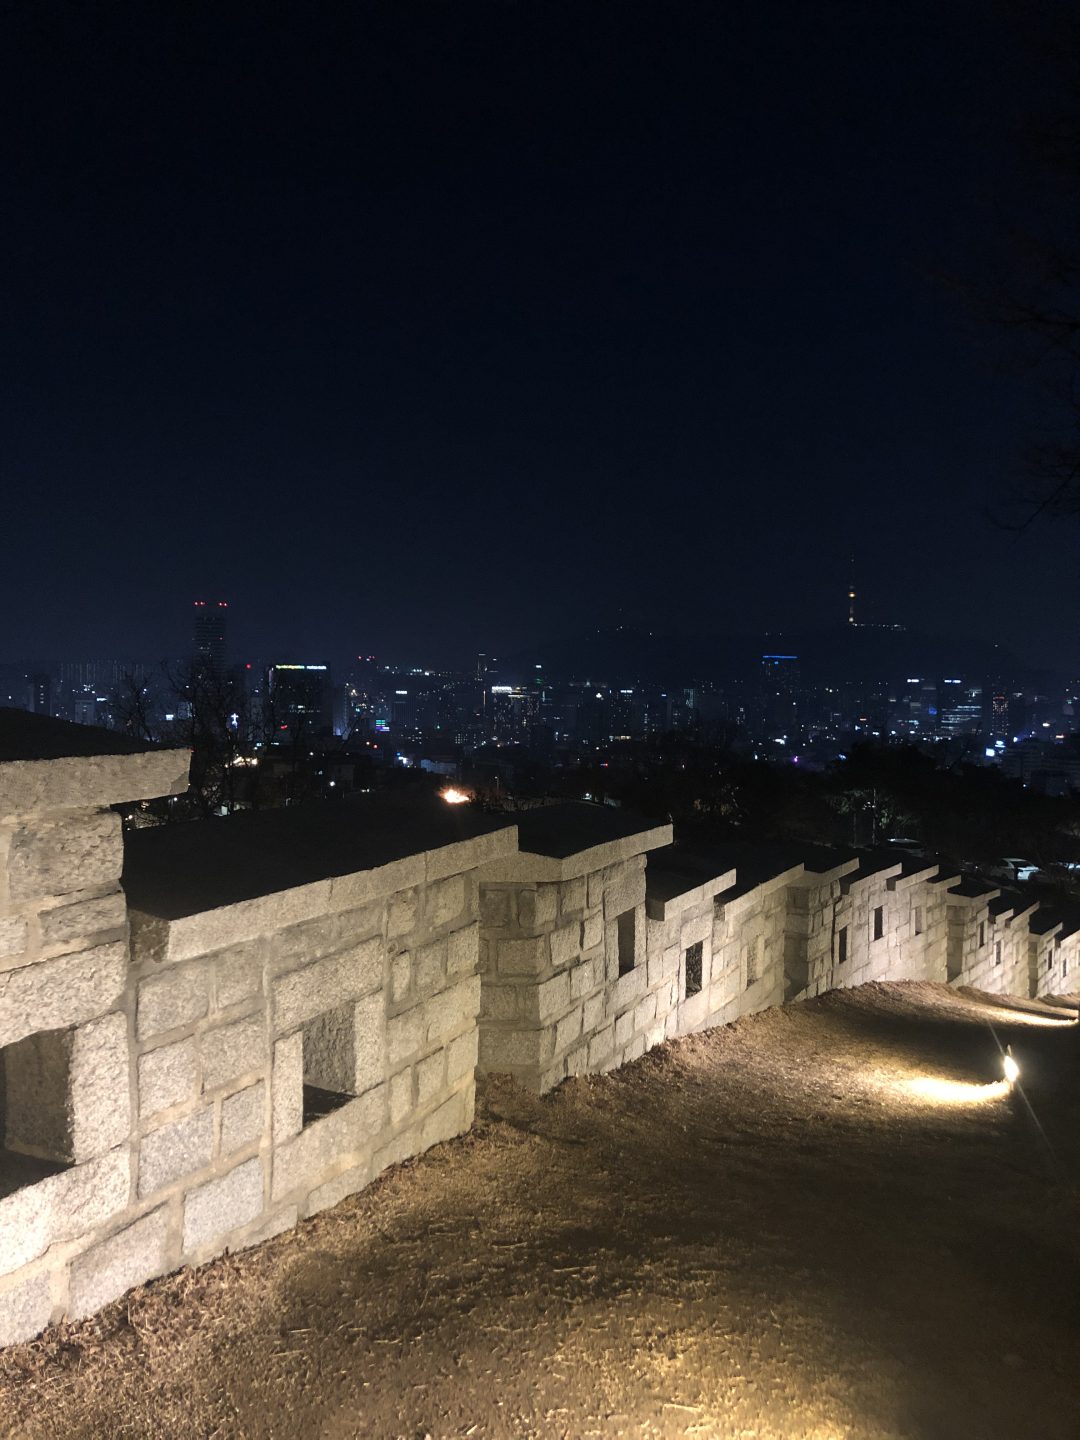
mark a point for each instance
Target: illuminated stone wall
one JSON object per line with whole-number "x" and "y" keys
{"x": 181, "y": 1079}
{"x": 65, "y": 1023}
{"x": 207, "y": 1080}
{"x": 749, "y": 936}
{"x": 1053, "y": 958}
{"x": 565, "y": 984}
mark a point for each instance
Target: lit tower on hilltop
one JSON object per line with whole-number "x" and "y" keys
{"x": 851, "y": 596}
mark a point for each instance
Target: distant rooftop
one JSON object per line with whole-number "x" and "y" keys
{"x": 175, "y": 870}
{"x": 24, "y": 736}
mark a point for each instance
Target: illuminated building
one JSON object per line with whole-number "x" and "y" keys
{"x": 208, "y": 639}
{"x": 301, "y": 701}
{"x": 961, "y": 709}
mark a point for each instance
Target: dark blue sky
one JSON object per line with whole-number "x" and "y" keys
{"x": 421, "y": 329}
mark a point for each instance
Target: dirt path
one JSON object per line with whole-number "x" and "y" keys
{"x": 778, "y": 1230}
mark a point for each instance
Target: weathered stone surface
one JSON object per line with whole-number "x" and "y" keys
{"x": 335, "y": 1190}
{"x": 502, "y": 1002}
{"x": 601, "y": 1046}
{"x": 405, "y": 1034}
{"x": 62, "y": 1207}
{"x": 568, "y": 1029}
{"x": 445, "y": 900}
{"x": 592, "y": 931}
{"x": 369, "y": 1020}
{"x": 627, "y": 988}
{"x": 25, "y": 1309}
{"x": 243, "y": 1117}
{"x": 523, "y": 957}
{"x": 593, "y": 1013}
{"x": 550, "y": 999}
{"x": 577, "y": 1059}
{"x": 33, "y": 786}
{"x": 302, "y": 1162}
{"x": 537, "y": 905}
{"x": 430, "y": 1074}
{"x": 344, "y": 1048}
{"x": 100, "y": 1086}
{"x": 461, "y": 1056}
{"x": 401, "y": 1096}
{"x": 400, "y": 977}
{"x": 401, "y": 1147}
{"x": 219, "y": 1206}
{"x": 624, "y": 889}
{"x": 77, "y": 850}
{"x": 234, "y": 1050}
{"x": 624, "y": 1028}
{"x": 177, "y": 996}
{"x": 566, "y": 944}
{"x": 287, "y": 1087}
{"x": 38, "y": 1112}
{"x": 510, "y": 1049}
{"x": 168, "y": 1076}
{"x": 129, "y": 1258}
{"x": 84, "y": 919}
{"x": 584, "y": 978}
{"x": 312, "y": 939}
{"x": 180, "y": 1148}
{"x": 429, "y": 967}
{"x": 13, "y": 937}
{"x": 494, "y": 907}
{"x": 237, "y": 973}
{"x": 462, "y": 950}
{"x": 277, "y": 1223}
{"x": 303, "y": 994}
{"x": 572, "y": 895}
{"x": 58, "y": 993}
{"x": 329, "y": 1050}
{"x": 401, "y": 912}
{"x": 445, "y": 1123}
{"x": 453, "y": 1010}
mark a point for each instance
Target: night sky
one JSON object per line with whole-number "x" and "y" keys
{"x": 421, "y": 329}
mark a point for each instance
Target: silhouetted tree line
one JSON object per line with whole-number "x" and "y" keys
{"x": 243, "y": 755}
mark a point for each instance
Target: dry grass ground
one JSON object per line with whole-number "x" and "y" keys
{"x": 778, "y": 1229}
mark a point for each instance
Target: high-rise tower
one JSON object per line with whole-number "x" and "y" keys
{"x": 208, "y": 639}
{"x": 851, "y": 596}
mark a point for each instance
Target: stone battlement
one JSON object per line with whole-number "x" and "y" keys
{"x": 214, "y": 1029}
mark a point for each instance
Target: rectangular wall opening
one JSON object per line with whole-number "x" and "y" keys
{"x": 841, "y": 945}
{"x": 918, "y": 919}
{"x": 694, "y": 960}
{"x": 879, "y": 921}
{"x": 36, "y": 1136}
{"x": 997, "y": 952}
{"x": 627, "y": 926}
{"x": 329, "y": 1062}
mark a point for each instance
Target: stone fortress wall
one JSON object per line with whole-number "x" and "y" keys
{"x": 269, "y": 1011}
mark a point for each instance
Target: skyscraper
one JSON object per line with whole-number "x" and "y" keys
{"x": 208, "y": 640}
{"x": 301, "y": 699}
